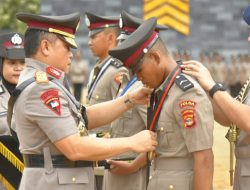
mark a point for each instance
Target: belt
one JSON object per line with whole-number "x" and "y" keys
{"x": 173, "y": 164}
{"x": 59, "y": 161}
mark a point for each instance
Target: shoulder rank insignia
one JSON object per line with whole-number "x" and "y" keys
{"x": 51, "y": 99}
{"x": 116, "y": 63}
{"x": 183, "y": 83}
{"x": 41, "y": 77}
{"x": 54, "y": 72}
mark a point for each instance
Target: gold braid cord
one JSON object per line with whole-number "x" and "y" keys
{"x": 5, "y": 183}
{"x": 233, "y": 132}
{"x": 11, "y": 157}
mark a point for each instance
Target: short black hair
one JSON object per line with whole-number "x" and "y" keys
{"x": 33, "y": 38}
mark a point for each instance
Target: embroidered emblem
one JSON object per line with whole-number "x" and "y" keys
{"x": 54, "y": 72}
{"x": 188, "y": 117}
{"x": 51, "y": 99}
{"x": 41, "y": 77}
{"x": 1, "y": 89}
{"x": 187, "y": 103}
{"x": 16, "y": 40}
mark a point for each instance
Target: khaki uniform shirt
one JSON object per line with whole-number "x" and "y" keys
{"x": 242, "y": 153}
{"x": 107, "y": 86}
{"x": 130, "y": 123}
{"x": 185, "y": 125}
{"x": 4, "y": 98}
{"x": 46, "y": 115}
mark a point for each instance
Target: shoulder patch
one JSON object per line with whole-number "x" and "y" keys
{"x": 51, "y": 99}
{"x": 116, "y": 64}
{"x": 183, "y": 83}
{"x": 41, "y": 77}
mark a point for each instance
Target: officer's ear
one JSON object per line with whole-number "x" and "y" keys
{"x": 45, "y": 47}
{"x": 155, "y": 56}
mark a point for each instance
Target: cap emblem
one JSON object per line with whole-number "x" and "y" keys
{"x": 16, "y": 40}
{"x": 120, "y": 22}
{"x": 87, "y": 21}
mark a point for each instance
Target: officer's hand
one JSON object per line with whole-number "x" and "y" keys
{"x": 200, "y": 72}
{"x": 121, "y": 167}
{"x": 140, "y": 96}
{"x": 143, "y": 141}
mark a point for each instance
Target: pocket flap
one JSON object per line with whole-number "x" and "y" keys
{"x": 72, "y": 176}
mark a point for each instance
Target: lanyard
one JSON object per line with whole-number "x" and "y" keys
{"x": 103, "y": 69}
{"x": 153, "y": 115}
{"x": 131, "y": 82}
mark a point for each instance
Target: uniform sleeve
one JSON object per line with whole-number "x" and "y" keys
{"x": 48, "y": 107}
{"x": 194, "y": 114}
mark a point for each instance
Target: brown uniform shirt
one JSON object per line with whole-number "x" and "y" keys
{"x": 242, "y": 153}
{"x": 130, "y": 123}
{"x": 46, "y": 115}
{"x": 185, "y": 125}
{"x": 103, "y": 85}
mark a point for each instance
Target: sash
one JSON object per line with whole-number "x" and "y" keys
{"x": 94, "y": 82}
{"x": 130, "y": 83}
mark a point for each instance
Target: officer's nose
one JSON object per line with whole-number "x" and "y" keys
{"x": 89, "y": 42}
{"x": 248, "y": 39}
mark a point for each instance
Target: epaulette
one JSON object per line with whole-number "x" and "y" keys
{"x": 183, "y": 83}
{"x": 41, "y": 77}
{"x": 116, "y": 64}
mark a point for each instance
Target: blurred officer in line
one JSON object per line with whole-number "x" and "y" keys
{"x": 78, "y": 74}
{"x": 227, "y": 110}
{"x": 51, "y": 125}
{"x": 180, "y": 112}
{"x": 11, "y": 64}
{"x": 102, "y": 85}
{"x": 131, "y": 122}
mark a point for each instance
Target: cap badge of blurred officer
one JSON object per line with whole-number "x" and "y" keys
{"x": 64, "y": 26}
{"x": 246, "y": 15}
{"x": 12, "y": 46}
{"x": 97, "y": 23}
{"x": 132, "y": 50}
{"x": 129, "y": 23}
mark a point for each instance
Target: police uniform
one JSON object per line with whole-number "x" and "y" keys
{"x": 130, "y": 123}
{"x": 48, "y": 113}
{"x": 102, "y": 85}
{"x": 185, "y": 119}
{"x": 242, "y": 146}
{"x": 11, "y": 47}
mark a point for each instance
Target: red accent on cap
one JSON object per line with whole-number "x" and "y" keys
{"x": 128, "y": 29}
{"x": 54, "y": 72}
{"x": 36, "y": 24}
{"x": 101, "y": 24}
{"x": 10, "y": 44}
{"x": 129, "y": 60}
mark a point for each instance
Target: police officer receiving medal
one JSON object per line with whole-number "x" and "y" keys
{"x": 51, "y": 125}
{"x": 180, "y": 112}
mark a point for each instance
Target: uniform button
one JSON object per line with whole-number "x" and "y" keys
{"x": 96, "y": 96}
{"x": 161, "y": 129}
{"x": 73, "y": 179}
{"x": 171, "y": 187}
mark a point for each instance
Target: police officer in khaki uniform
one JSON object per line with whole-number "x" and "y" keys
{"x": 102, "y": 85}
{"x": 51, "y": 125}
{"x": 129, "y": 123}
{"x": 180, "y": 113}
{"x": 11, "y": 65}
{"x": 228, "y": 110}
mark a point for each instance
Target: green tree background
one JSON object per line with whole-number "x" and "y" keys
{"x": 8, "y": 10}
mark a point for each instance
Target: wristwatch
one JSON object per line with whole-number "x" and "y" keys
{"x": 215, "y": 88}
